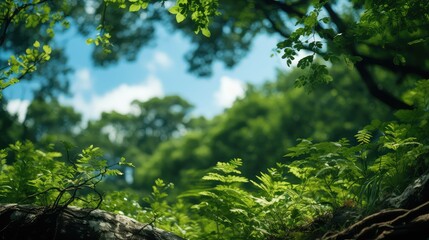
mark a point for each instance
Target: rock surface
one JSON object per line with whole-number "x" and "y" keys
{"x": 406, "y": 217}
{"x": 414, "y": 195}
{"x": 33, "y": 222}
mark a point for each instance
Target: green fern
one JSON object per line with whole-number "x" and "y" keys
{"x": 229, "y": 167}
{"x": 396, "y": 137}
{"x": 225, "y": 179}
{"x": 363, "y": 136}
{"x": 225, "y": 169}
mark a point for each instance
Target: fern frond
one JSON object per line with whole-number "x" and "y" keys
{"x": 224, "y": 178}
{"x": 363, "y": 136}
{"x": 229, "y": 167}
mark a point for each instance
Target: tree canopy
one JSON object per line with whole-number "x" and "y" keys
{"x": 369, "y": 36}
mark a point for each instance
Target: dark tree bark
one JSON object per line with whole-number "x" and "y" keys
{"x": 33, "y": 222}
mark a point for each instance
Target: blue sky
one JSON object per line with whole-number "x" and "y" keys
{"x": 158, "y": 71}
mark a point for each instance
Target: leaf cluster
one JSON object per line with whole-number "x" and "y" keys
{"x": 45, "y": 178}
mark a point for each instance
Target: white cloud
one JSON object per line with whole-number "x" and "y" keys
{"x": 119, "y": 99}
{"x": 229, "y": 90}
{"x": 82, "y": 81}
{"x": 19, "y": 107}
{"x": 90, "y": 6}
{"x": 160, "y": 60}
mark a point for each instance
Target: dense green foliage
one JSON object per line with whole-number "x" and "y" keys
{"x": 259, "y": 127}
{"x": 280, "y": 203}
{"x": 273, "y": 187}
{"x": 44, "y": 178}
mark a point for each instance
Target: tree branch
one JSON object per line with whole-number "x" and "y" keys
{"x": 382, "y": 95}
{"x": 273, "y": 24}
{"x": 341, "y": 26}
{"x": 289, "y": 9}
{"x": 8, "y": 19}
{"x": 362, "y": 68}
{"x": 407, "y": 69}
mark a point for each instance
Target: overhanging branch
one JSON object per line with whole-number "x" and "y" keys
{"x": 289, "y": 9}
{"x": 362, "y": 68}
{"x": 407, "y": 69}
{"x": 8, "y": 19}
{"x": 382, "y": 95}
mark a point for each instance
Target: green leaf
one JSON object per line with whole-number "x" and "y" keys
{"x": 205, "y": 32}
{"x": 114, "y": 172}
{"x": 180, "y": 17}
{"x": 305, "y": 62}
{"x": 36, "y": 44}
{"x": 399, "y": 59}
{"x": 349, "y": 63}
{"x": 311, "y": 20}
{"x": 47, "y": 49}
{"x": 325, "y": 20}
{"x": 144, "y": 5}
{"x": 174, "y": 10}
{"x": 416, "y": 41}
{"x": 135, "y": 7}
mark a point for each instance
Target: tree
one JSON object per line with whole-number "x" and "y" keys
{"x": 120, "y": 34}
{"x": 370, "y": 36}
{"x": 138, "y": 134}
{"x": 260, "y": 127}
{"x": 24, "y": 52}
{"x": 150, "y": 123}
{"x": 46, "y": 119}
{"x": 158, "y": 120}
